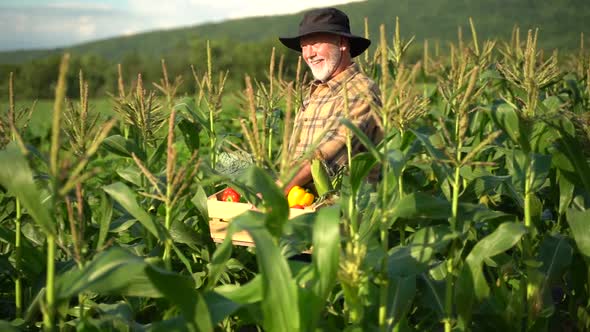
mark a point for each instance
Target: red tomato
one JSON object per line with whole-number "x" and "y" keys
{"x": 230, "y": 195}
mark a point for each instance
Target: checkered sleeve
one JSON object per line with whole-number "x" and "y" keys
{"x": 317, "y": 125}
{"x": 362, "y": 100}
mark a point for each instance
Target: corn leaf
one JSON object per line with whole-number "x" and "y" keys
{"x": 250, "y": 292}
{"x": 471, "y": 284}
{"x": 556, "y": 255}
{"x": 572, "y": 162}
{"x": 17, "y": 178}
{"x": 578, "y": 221}
{"x": 115, "y": 271}
{"x": 325, "y": 258}
{"x": 188, "y": 108}
{"x": 220, "y": 306}
{"x": 362, "y": 164}
{"x": 124, "y": 196}
{"x": 362, "y": 137}
{"x": 177, "y": 323}
{"x": 131, "y": 173}
{"x": 160, "y": 151}
{"x": 326, "y": 248}
{"x": 415, "y": 258}
{"x": 226, "y": 299}
{"x": 434, "y": 151}
{"x": 180, "y": 290}
{"x": 401, "y": 292}
{"x": 279, "y": 300}
{"x": 566, "y": 191}
{"x": 104, "y": 221}
{"x": 7, "y": 327}
{"x": 421, "y": 205}
{"x": 221, "y": 255}
{"x": 433, "y": 294}
{"x": 541, "y": 167}
{"x": 507, "y": 119}
{"x": 121, "y": 146}
{"x": 190, "y": 133}
{"x": 33, "y": 259}
{"x": 274, "y": 201}
{"x": 542, "y": 137}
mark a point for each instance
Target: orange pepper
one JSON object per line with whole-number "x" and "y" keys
{"x": 299, "y": 196}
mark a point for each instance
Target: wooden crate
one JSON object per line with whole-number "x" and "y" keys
{"x": 221, "y": 213}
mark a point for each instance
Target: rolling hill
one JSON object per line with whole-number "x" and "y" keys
{"x": 560, "y": 23}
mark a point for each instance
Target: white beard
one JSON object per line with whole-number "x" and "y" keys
{"x": 323, "y": 71}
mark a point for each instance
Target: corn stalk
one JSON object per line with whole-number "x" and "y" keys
{"x": 60, "y": 91}
{"x": 460, "y": 92}
{"x": 208, "y": 96}
{"x": 400, "y": 107}
{"x": 526, "y": 71}
{"x": 9, "y": 131}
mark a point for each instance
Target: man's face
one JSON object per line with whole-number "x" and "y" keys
{"x": 321, "y": 52}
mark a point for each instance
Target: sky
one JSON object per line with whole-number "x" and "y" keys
{"x": 42, "y": 24}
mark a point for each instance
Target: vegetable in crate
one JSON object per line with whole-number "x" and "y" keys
{"x": 299, "y": 196}
{"x": 230, "y": 195}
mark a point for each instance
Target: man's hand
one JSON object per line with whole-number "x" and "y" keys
{"x": 302, "y": 177}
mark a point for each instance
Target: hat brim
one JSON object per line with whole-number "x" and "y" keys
{"x": 357, "y": 44}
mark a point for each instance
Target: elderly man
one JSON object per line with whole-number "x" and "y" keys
{"x": 328, "y": 47}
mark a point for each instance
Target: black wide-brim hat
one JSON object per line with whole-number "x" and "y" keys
{"x": 328, "y": 20}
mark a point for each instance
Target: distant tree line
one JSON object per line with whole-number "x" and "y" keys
{"x": 36, "y": 79}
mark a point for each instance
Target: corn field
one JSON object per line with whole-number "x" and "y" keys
{"x": 480, "y": 221}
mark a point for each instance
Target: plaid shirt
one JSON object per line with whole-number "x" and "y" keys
{"x": 317, "y": 123}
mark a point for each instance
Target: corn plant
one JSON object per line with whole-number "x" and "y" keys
{"x": 209, "y": 101}
{"x": 10, "y": 132}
